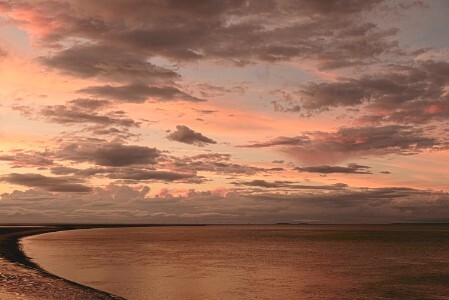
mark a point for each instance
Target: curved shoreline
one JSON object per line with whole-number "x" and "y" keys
{"x": 11, "y": 250}
{"x": 17, "y": 269}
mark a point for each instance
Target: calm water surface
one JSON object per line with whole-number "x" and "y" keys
{"x": 253, "y": 262}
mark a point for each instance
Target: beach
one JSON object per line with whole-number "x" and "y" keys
{"x": 22, "y": 279}
{"x": 20, "y": 282}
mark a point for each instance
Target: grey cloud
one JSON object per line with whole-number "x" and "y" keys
{"x": 52, "y": 184}
{"x": 89, "y": 104}
{"x": 211, "y": 157}
{"x": 67, "y": 115}
{"x": 130, "y": 174}
{"x": 213, "y": 162}
{"x": 414, "y": 93}
{"x": 61, "y": 170}
{"x": 280, "y": 141}
{"x": 265, "y": 184}
{"x": 364, "y": 205}
{"x": 93, "y": 116}
{"x": 350, "y": 169}
{"x": 334, "y": 35}
{"x": 3, "y": 53}
{"x": 395, "y": 86}
{"x": 205, "y": 111}
{"x": 278, "y": 161}
{"x": 324, "y": 95}
{"x": 184, "y": 134}
{"x": 109, "y": 154}
{"x": 347, "y": 142}
{"x": 141, "y": 174}
{"x": 289, "y": 185}
{"x": 209, "y": 90}
{"x": 225, "y": 168}
{"x": 28, "y": 159}
{"x": 275, "y": 169}
{"x": 118, "y": 161}
{"x": 121, "y": 134}
{"x": 87, "y": 172}
{"x": 139, "y": 93}
{"x": 126, "y": 204}
{"x": 108, "y": 63}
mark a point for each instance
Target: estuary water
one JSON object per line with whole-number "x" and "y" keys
{"x": 253, "y": 262}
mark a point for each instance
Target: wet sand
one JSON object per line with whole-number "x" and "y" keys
{"x": 22, "y": 279}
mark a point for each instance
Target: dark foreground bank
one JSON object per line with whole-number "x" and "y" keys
{"x": 20, "y": 278}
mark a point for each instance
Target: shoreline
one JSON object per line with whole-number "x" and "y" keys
{"x": 22, "y": 268}
{"x": 20, "y": 278}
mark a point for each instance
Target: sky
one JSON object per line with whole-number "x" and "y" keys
{"x": 224, "y": 111}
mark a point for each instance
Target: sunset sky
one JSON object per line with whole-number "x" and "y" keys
{"x": 224, "y": 111}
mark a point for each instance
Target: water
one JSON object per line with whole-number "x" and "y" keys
{"x": 253, "y": 262}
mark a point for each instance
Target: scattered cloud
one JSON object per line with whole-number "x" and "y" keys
{"x": 52, "y": 184}
{"x": 108, "y": 154}
{"x": 3, "y": 52}
{"x": 350, "y": 169}
{"x": 143, "y": 175}
{"x": 89, "y": 104}
{"x": 288, "y": 185}
{"x": 108, "y": 63}
{"x": 280, "y": 141}
{"x": 139, "y": 93}
{"x": 209, "y": 90}
{"x": 28, "y": 159}
{"x": 73, "y": 114}
{"x": 215, "y": 163}
{"x": 415, "y": 93}
{"x": 349, "y": 142}
{"x": 130, "y": 174}
{"x": 184, "y": 134}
